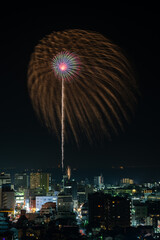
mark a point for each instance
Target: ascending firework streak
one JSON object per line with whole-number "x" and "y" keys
{"x": 85, "y": 78}
{"x": 66, "y": 66}
{"x": 62, "y": 123}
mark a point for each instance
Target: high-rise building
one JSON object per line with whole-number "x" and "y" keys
{"x": 99, "y": 182}
{"x": 40, "y": 180}
{"x": 108, "y": 212}
{"x": 126, "y": 181}
{"x": 44, "y": 181}
{"x": 21, "y": 180}
{"x": 5, "y": 178}
{"x": 140, "y": 214}
{"x": 74, "y": 189}
{"x": 7, "y": 197}
{"x": 34, "y": 180}
{"x": 81, "y": 194}
{"x": 69, "y": 187}
{"x": 64, "y": 181}
{"x": 65, "y": 203}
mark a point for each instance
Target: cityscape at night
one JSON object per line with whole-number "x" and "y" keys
{"x": 79, "y": 124}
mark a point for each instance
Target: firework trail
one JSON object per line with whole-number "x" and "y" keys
{"x": 62, "y": 125}
{"x": 66, "y": 66}
{"x": 86, "y": 78}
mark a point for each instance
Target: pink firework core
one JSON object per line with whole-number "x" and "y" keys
{"x": 63, "y": 67}
{"x": 66, "y": 65}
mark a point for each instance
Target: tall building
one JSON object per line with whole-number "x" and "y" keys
{"x": 140, "y": 214}
{"x": 21, "y": 180}
{"x": 99, "y": 182}
{"x": 5, "y": 178}
{"x": 44, "y": 181}
{"x": 126, "y": 181}
{"x": 40, "y": 180}
{"x": 64, "y": 181}
{"x": 65, "y": 203}
{"x": 108, "y": 212}
{"x": 69, "y": 187}
{"x": 34, "y": 180}
{"x": 7, "y": 198}
{"x": 81, "y": 194}
{"x": 74, "y": 189}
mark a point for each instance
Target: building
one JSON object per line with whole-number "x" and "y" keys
{"x": 7, "y": 200}
{"x": 99, "y": 182}
{"x": 140, "y": 214}
{"x": 48, "y": 208}
{"x": 21, "y": 180}
{"x": 96, "y": 210}
{"x": 64, "y": 181}
{"x": 108, "y": 212}
{"x": 5, "y": 178}
{"x": 41, "y": 200}
{"x": 84, "y": 211}
{"x": 34, "y": 180}
{"x": 126, "y": 181}
{"x": 74, "y": 189}
{"x": 81, "y": 194}
{"x": 19, "y": 198}
{"x": 65, "y": 203}
{"x": 88, "y": 190}
{"x": 4, "y": 222}
{"x": 40, "y": 180}
{"x": 70, "y": 188}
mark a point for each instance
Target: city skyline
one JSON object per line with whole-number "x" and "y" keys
{"x": 24, "y": 142}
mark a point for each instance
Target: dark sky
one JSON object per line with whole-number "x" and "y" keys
{"x": 23, "y": 141}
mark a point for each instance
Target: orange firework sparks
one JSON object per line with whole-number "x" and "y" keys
{"x": 99, "y": 98}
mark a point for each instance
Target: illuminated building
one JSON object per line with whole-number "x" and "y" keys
{"x": 40, "y": 180}
{"x": 126, "y": 181}
{"x": 70, "y": 188}
{"x": 65, "y": 203}
{"x": 34, "y": 180}
{"x": 48, "y": 208}
{"x": 4, "y": 222}
{"x": 32, "y": 203}
{"x": 64, "y": 181}
{"x": 108, "y": 212}
{"x": 21, "y": 180}
{"x": 7, "y": 198}
{"x": 5, "y": 178}
{"x": 84, "y": 211}
{"x": 99, "y": 182}
{"x": 140, "y": 214}
{"x": 41, "y": 200}
{"x": 81, "y": 194}
{"x": 19, "y": 198}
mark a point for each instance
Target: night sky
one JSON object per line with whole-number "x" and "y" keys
{"x": 24, "y": 142}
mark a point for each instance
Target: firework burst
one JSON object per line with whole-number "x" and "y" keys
{"x": 66, "y": 65}
{"x": 100, "y": 90}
